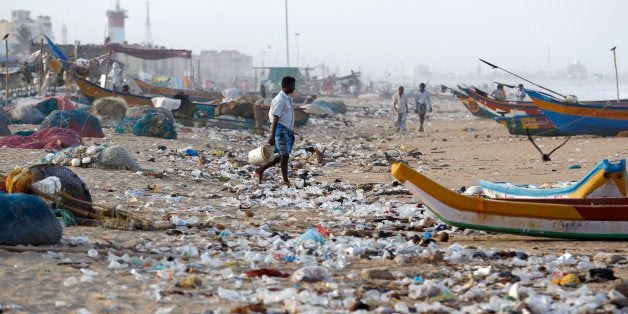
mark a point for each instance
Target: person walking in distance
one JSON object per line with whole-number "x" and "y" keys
{"x": 521, "y": 93}
{"x": 422, "y": 101}
{"x": 281, "y": 134}
{"x": 400, "y": 107}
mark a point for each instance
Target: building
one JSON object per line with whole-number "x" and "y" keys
{"x": 21, "y": 19}
{"x": 224, "y": 66}
{"x": 115, "y": 24}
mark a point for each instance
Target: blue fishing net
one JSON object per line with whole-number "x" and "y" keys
{"x": 147, "y": 121}
{"x": 78, "y": 120}
{"x": 28, "y": 220}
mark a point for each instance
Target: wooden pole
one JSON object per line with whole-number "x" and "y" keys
{"x": 107, "y": 69}
{"x": 616, "y": 73}
{"x": 6, "y": 65}
{"x": 41, "y": 64}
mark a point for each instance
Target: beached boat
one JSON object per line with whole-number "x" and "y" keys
{"x": 557, "y": 218}
{"x": 92, "y": 92}
{"x": 605, "y": 180}
{"x": 472, "y": 106}
{"x": 536, "y": 125}
{"x": 604, "y": 118}
{"x": 195, "y": 95}
{"x": 500, "y": 108}
{"x": 245, "y": 111}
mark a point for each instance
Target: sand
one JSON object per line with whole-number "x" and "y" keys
{"x": 456, "y": 150}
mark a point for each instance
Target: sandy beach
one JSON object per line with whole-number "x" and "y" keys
{"x": 234, "y": 225}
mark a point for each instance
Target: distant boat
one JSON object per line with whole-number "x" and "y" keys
{"x": 603, "y": 118}
{"x": 195, "y": 95}
{"x": 205, "y": 110}
{"x": 92, "y": 92}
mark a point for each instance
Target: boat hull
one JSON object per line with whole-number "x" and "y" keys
{"x": 556, "y": 220}
{"x": 605, "y": 180}
{"x": 536, "y": 125}
{"x": 194, "y": 95}
{"x": 603, "y": 118}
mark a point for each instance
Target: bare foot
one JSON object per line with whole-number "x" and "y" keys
{"x": 259, "y": 175}
{"x": 287, "y": 183}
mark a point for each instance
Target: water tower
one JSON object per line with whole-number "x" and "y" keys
{"x": 115, "y": 19}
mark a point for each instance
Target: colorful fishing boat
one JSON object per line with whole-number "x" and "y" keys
{"x": 577, "y": 218}
{"x": 536, "y": 125}
{"x": 607, "y": 179}
{"x": 195, "y": 95}
{"x": 501, "y": 108}
{"x": 472, "y": 105}
{"x": 603, "y": 118}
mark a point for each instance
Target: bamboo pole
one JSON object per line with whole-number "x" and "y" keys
{"x": 107, "y": 69}
{"x": 6, "y": 65}
{"x": 41, "y": 64}
{"x": 616, "y": 73}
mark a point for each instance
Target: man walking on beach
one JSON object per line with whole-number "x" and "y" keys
{"x": 400, "y": 107}
{"x": 281, "y": 135}
{"x": 422, "y": 101}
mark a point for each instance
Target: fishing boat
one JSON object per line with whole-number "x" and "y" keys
{"x": 500, "y": 108}
{"x": 577, "y": 218}
{"x": 195, "y": 95}
{"x": 472, "y": 105}
{"x": 533, "y": 124}
{"x": 92, "y": 92}
{"x": 607, "y": 179}
{"x": 603, "y": 118}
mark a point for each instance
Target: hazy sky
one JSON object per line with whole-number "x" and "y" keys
{"x": 374, "y": 36}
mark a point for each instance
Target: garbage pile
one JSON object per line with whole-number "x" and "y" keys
{"x": 324, "y": 245}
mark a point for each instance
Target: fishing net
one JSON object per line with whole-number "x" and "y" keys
{"x": 26, "y": 219}
{"x": 53, "y": 103}
{"x": 105, "y": 157}
{"x": 148, "y": 121}
{"x": 49, "y": 139}
{"x": 71, "y": 184}
{"x": 80, "y": 121}
{"x": 110, "y": 110}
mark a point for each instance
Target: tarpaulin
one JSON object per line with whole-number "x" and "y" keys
{"x": 149, "y": 53}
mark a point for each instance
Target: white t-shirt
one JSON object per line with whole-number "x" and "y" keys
{"x": 282, "y": 106}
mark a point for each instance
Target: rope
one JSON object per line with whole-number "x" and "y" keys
{"x": 109, "y": 216}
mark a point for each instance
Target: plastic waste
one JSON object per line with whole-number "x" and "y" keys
{"x": 311, "y": 274}
{"x": 191, "y": 152}
{"x": 312, "y": 234}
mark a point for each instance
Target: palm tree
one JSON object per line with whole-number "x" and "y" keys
{"x": 23, "y": 36}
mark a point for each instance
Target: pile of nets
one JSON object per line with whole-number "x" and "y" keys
{"x": 109, "y": 110}
{"x": 26, "y": 219}
{"x": 49, "y": 139}
{"x": 5, "y": 120}
{"x": 34, "y": 111}
{"x": 80, "y": 121}
{"x": 148, "y": 121}
{"x": 71, "y": 185}
{"x": 112, "y": 158}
